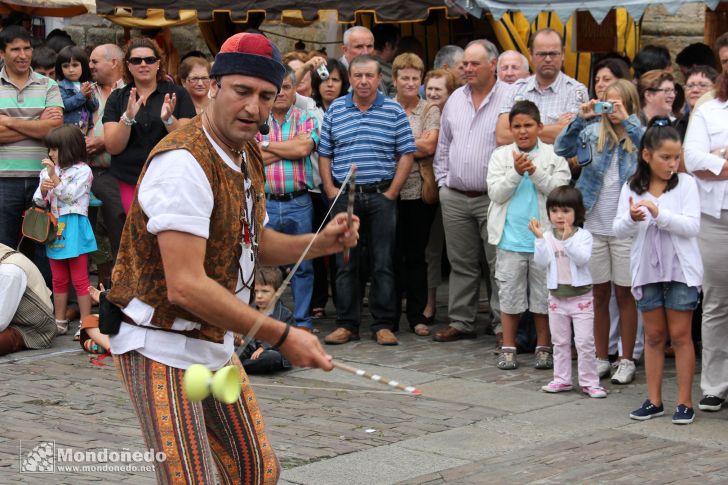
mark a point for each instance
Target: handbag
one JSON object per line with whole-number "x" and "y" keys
{"x": 583, "y": 153}
{"x": 430, "y": 194}
{"x": 39, "y": 225}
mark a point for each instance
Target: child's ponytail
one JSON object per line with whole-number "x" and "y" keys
{"x": 658, "y": 130}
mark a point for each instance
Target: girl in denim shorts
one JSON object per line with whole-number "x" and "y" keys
{"x": 660, "y": 209}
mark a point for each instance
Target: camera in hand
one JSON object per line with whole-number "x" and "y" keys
{"x": 322, "y": 72}
{"x": 603, "y": 108}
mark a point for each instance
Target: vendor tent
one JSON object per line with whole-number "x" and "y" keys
{"x": 434, "y": 22}
{"x": 273, "y": 10}
{"x": 51, "y": 8}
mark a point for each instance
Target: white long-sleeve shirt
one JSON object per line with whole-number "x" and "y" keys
{"x": 502, "y": 181}
{"x": 72, "y": 195}
{"x": 578, "y": 248}
{"x": 679, "y": 214}
{"x": 707, "y": 131}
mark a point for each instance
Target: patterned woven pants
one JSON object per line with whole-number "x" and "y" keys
{"x": 194, "y": 435}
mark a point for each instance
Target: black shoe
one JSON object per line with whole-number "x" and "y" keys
{"x": 710, "y": 403}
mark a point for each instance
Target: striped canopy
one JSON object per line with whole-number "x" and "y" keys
{"x": 565, "y": 8}
{"x": 274, "y": 10}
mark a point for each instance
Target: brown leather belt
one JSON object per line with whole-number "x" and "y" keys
{"x": 469, "y": 193}
{"x": 286, "y": 197}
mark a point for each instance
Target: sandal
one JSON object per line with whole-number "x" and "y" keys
{"x": 317, "y": 313}
{"x": 421, "y": 329}
{"x": 61, "y": 327}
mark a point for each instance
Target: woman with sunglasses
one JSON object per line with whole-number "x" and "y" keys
{"x": 139, "y": 115}
{"x": 194, "y": 75}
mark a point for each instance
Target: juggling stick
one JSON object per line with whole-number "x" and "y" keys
{"x": 350, "y": 207}
{"x": 377, "y": 378}
{"x": 199, "y": 382}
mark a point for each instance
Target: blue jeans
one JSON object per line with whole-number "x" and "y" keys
{"x": 378, "y": 216}
{"x": 672, "y": 295}
{"x": 295, "y": 216}
{"x": 16, "y": 195}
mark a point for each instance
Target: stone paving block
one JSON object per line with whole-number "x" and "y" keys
{"x": 490, "y": 395}
{"x": 383, "y": 465}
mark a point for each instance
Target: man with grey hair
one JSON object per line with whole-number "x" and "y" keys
{"x": 450, "y": 57}
{"x": 512, "y": 66}
{"x": 106, "y": 64}
{"x": 286, "y": 150}
{"x": 467, "y": 139}
{"x": 358, "y": 41}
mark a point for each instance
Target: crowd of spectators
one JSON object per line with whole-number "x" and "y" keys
{"x": 452, "y": 160}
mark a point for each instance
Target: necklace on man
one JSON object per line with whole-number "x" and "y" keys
{"x": 238, "y": 152}
{"x": 249, "y": 242}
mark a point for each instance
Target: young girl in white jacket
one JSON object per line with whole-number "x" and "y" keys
{"x": 65, "y": 186}
{"x": 660, "y": 209}
{"x": 565, "y": 251}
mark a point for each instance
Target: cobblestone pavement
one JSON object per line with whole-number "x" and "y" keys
{"x": 474, "y": 423}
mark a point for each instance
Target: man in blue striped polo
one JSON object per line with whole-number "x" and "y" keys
{"x": 370, "y": 130}
{"x": 30, "y": 106}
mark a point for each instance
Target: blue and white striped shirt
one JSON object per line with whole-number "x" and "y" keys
{"x": 373, "y": 139}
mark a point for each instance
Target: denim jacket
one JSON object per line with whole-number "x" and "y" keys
{"x": 592, "y": 176}
{"x": 77, "y": 108}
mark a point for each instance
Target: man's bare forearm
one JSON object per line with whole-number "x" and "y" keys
{"x": 36, "y": 129}
{"x": 8, "y": 135}
{"x": 189, "y": 287}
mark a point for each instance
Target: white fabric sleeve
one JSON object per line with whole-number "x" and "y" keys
{"x": 176, "y": 195}
{"x": 13, "y": 282}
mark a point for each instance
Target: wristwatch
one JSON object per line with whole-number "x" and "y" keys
{"x": 264, "y": 144}
{"x": 169, "y": 120}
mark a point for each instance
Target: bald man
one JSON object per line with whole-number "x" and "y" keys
{"x": 512, "y": 66}
{"x": 105, "y": 63}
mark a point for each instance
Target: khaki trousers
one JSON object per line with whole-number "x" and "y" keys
{"x": 466, "y": 235}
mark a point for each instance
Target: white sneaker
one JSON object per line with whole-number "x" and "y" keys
{"x": 603, "y": 368}
{"x": 625, "y": 372}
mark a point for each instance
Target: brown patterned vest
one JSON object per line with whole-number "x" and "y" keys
{"x": 139, "y": 273}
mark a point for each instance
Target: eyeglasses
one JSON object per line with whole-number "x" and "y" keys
{"x": 698, "y": 86}
{"x": 195, "y": 80}
{"x": 544, "y": 55}
{"x": 664, "y": 90}
{"x": 135, "y": 61}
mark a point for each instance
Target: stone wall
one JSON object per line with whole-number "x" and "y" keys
{"x": 675, "y": 32}
{"x": 91, "y": 30}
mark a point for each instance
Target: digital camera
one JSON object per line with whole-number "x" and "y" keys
{"x": 603, "y": 108}
{"x": 322, "y": 72}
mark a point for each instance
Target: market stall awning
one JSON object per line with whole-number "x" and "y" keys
{"x": 51, "y": 8}
{"x": 565, "y": 8}
{"x": 167, "y": 13}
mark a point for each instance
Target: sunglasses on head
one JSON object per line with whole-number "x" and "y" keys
{"x": 146, "y": 60}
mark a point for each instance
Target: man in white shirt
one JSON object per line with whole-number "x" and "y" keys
{"x": 184, "y": 274}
